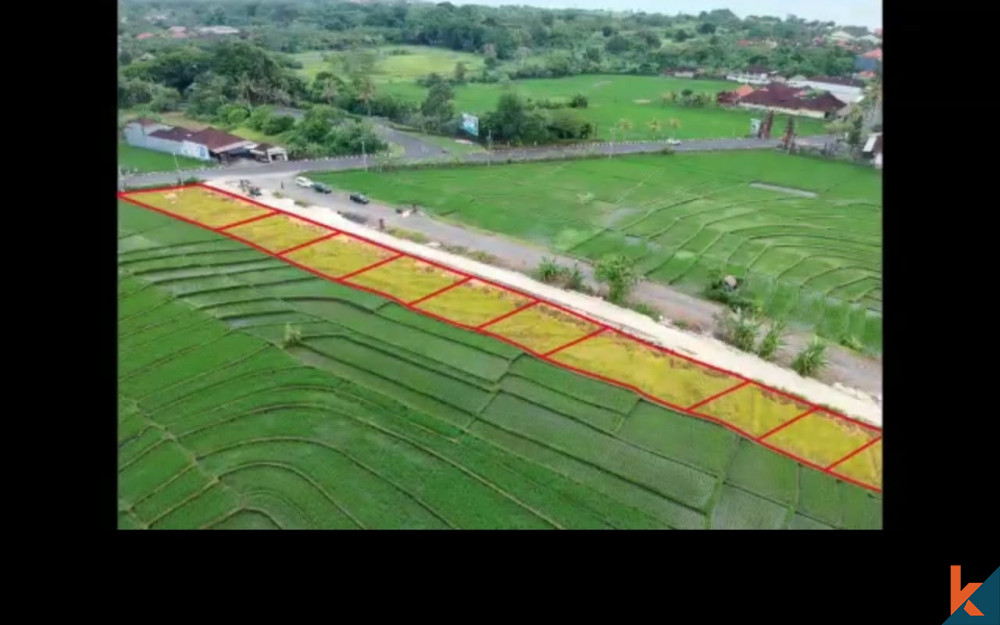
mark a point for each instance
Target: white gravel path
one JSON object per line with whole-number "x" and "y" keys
{"x": 707, "y": 349}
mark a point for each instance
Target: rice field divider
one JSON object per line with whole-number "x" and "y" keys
{"x": 130, "y": 197}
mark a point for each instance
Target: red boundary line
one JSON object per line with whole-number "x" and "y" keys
{"x": 307, "y": 243}
{"x": 784, "y": 425}
{"x": 128, "y": 196}
{"x": 247, "y": 221}
{"x": 718, "y": 395}
{"x": 574, "y": 342}
{"x": 520, "y": 308}
{"x": 856, "y": 451}
{"x": 384, "y": 261}
{"x": 439, "y": 291}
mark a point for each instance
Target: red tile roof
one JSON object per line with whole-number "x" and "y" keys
{"x": 743, "y": 90}
{"x": 211, "y": 138}
{"x": 874, "y": 54}
{"x": 142, "y": 36}
{"x": 777, "y": 95}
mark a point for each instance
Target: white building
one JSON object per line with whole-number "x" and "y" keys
{"x": 845, "y": 93}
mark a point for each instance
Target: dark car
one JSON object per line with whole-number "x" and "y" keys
{"x": 359, "y": 198}
{"x": 322, "y": 188}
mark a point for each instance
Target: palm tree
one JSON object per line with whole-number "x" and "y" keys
{"x": 674, "y": 124}
{"x": 655, "y": 127}
{"x": 366, "y": 93}
{"x": 624, "y": 125}
{"x": 330, "y": 91}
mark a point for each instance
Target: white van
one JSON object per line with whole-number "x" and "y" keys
{"x": 304, "y": 182}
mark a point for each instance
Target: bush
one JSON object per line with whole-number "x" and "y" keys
{"x": 811, "y": 359}
{"x": 549, "y": 270}
{"x": 579, "y": 101}
{"x": 276, "y": 125}
{"x": 293, "y": 336}
{"x": 739, "y": 328}
{"x": 645, "y": 309}
{"x": 852, "y": 342}
{"x": 771, "y": 342}
{"x": 574, "y": 279}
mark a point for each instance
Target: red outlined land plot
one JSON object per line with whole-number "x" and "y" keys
{"x": 846, "y": 448}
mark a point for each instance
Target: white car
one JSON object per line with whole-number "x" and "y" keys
{"x": 304, "y": 182}
{"x": 673, "y": 142}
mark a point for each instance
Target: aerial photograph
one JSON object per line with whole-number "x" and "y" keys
{"x": 537, "y": 264}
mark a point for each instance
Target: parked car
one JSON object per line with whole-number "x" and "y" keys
{"x": 304, "y": 182}
{"x": 673, "y": 142}
{"x": 322, "y": 188}
{"x": 359, "y": 198}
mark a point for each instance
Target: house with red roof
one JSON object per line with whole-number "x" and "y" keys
{"x": 205, "y": 144}
{"x": 869, "y": 61}
{"x": 144, "y": 36}
{"x": 782, "y": 98}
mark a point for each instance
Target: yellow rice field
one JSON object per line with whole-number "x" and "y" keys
{"x": 406, "y": 279}
{"x": 473, "y": 303}
{"x": 865, "y": 467}
{"x": 542, "y": 328}
{"x": 753, "y": 409}
{"x": 821, "y": 438}
{"x": 674, "y": 380}
{"x": 339, "y": 256}
{"x": 278, "y": 233}
{"x": 206, "y": 207}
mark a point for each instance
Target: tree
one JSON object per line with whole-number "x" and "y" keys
{"x": 681, "y": 35}
{"x": 616, "y": 45}
{"x": 624, "y": 126}
{"x": 437, "y": 105}
{"x": 854, "y": 134}
{"x": 706, "y": 28}
{"x": 460, "y": 73}
{"x": 674, "y": 124}
{"x": 655, "y": 127}
{"x": 618, "y": 272}
{"x": 365, "y": 88}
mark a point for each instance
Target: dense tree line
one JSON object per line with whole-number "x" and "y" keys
{"x": 558, "y": 42}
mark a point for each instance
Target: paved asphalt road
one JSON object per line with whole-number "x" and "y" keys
{"x": 844, "y": 366}
{"x": 417, "y": 151}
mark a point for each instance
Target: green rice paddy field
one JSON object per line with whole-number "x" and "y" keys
{"x": 612, "y": 98}
{"x": 394, "y": 68}
{"x": 814, "y": 261}
{"x": 143, "y": 160}
{"x": 381, "y": 418}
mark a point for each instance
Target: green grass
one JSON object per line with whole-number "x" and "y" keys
{"x": 816, "y": 261}
{"x": 143, "y": 160}
{"x": 615, "y": 97}
{"x": 391, "y": 69}
{"x": 384, "y": 418}
{"x": 449, "y": 143}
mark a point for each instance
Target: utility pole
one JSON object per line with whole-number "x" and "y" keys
{"x": 177, "y": 167}
{"x": 364, "y": 156}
